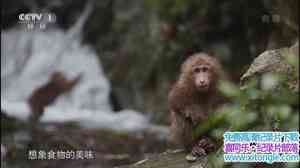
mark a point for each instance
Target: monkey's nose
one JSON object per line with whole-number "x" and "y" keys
{"x": 202, "y": 83}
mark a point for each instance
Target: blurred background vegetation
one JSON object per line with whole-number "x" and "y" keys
{"x": 141, "y": 45}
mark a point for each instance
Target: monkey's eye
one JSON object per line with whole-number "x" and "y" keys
{"x": 204, "y": 69}
{"x": 197, "y": 70}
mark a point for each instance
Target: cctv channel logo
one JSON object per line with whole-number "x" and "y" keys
{"x": 36, "y": 20}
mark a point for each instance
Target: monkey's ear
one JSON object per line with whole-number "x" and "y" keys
{"x": 187, "y": 63}
{"x": 183, "y": 65}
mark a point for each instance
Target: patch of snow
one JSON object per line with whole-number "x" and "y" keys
{"x": 16, "y": 109}
{"x": 3, "y": 151}
{"x": 30, "y": 57}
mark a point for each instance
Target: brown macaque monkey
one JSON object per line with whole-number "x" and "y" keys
{"x": 47, "y": 94}
{"x": 193, "y": 97}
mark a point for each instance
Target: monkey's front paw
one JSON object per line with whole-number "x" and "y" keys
{"x": 202, "y": 147}
{"x": 198, "y": 150}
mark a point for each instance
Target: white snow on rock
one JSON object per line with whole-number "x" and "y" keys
{"x": 28, "y": 58}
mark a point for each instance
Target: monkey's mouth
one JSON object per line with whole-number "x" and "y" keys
{"x": 202, "y": 87}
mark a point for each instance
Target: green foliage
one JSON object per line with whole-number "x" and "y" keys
{"x": 168, "y": 8}
{"x": 262, "y": 104}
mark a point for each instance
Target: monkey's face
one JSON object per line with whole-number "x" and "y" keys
{"x": 200, "y": 72}
{"x": 202, "y": 77}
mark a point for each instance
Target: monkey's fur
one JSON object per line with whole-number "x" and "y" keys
{"x": 189, "y": 105}
{"x": 48, "y": 93}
